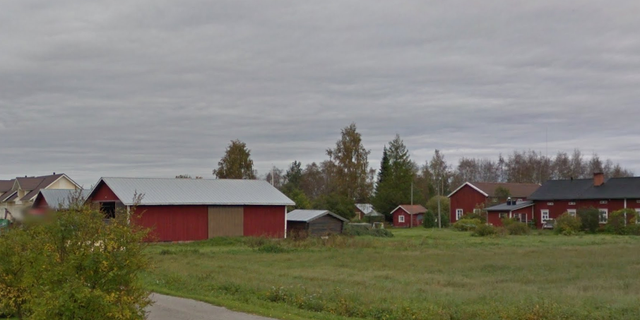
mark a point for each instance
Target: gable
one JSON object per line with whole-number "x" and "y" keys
{"x": 468, "y": 185}
{"x": 102, "y": 192}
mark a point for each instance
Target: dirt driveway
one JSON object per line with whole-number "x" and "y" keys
{"x": 172, "y": 308}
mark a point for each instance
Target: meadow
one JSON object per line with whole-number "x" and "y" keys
{"x": 418, "y": 274}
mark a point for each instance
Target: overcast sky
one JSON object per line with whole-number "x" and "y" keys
{"x": 159, "y": 88}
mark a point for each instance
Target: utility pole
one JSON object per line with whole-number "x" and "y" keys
{"x": 439, "y": 214}
{"x": 410, "y": 215}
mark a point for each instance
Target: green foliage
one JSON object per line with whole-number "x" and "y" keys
{"x": 516, "y": 228}
{"x": 467, "y": 224}
{"x": 589, "y": 219}
{"x": 236, "y": 162}
{"x": 472, "y": 215}
{"x": 616, "y": 223}
{"x": 337, "y": 203}
{"x": 301, "y": 200}
{"x": 502, "y": 193}
{"x": 484, "y": 230}
{"x": 429, "y": 220}
{"x": 356, "y": 230}
{"x": 432, "y": 205}
{"x": 73, "y": 265}
{"x": 395, "y": 177}
{"x": 567, "y": 224}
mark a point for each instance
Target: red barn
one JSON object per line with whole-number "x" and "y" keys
{"x": 556, "y": 197}
{"x": 408, "y": 216}
{"x": 468, "y": 196}
{"x": 196, "y": 209}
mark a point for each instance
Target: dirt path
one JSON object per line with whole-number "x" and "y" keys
{"x": 172, "y": 308}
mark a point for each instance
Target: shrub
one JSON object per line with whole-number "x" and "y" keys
{"x": 567, "y": 224}
{"x": 429, "y": 220}
{"x": 358, "y": 230}
{"x": 73, "y": 265}
{"x": 467, "y": 224}
{"x": 616, "y": 223}
{"x": 482, "y": 218}
{"x": 484, "y": 230}
{"x": 589, "y": 219}
{"x": 517, "y": 228}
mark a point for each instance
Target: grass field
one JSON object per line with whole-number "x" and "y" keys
{"x": 418, "y": 274}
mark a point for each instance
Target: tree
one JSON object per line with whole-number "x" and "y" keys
{"x": 589, "y": 219}
{"x": 275, "y": 178}
{"x": 395, "y": 178}
{"x": 440, "y": 172}
{"x": 236, "y": 163}
{"x": 432, "y": 205}
{"x": 293, "y": 176}
{"x": 502, "y": 193}
{"x": 429, "y": 220}
{"x": 348, "y": 166}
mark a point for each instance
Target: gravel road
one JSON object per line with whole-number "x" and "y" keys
{"x": 172, "y": 308}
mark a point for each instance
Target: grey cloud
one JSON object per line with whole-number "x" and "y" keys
{"x": 159, "y": 88}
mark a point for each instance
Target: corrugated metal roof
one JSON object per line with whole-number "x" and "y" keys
{"x": 310, "y": 215}
{"x": 506, "y": 207}
{"x": 60, "y": 198}
{"x": 368, "y": 209}
{"x": 164, "y": 191}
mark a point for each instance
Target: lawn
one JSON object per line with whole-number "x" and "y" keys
{"x": 418, "y": 274}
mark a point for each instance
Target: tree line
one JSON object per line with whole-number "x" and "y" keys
{"x": 346, "y": 178}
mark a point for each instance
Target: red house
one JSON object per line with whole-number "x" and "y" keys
{"x": 408, "y": 216}
{"x": 468, "y": 196}
{"x": 195, "y": 209}
{"x": 556, "y": 197}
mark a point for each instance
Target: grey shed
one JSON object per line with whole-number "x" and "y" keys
{"x": 301, "y": 223}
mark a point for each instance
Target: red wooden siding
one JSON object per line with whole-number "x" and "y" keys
{"x": 103, "y": 193}
{"x": 466, "y": 199}
{"x": 417, "y": 219}
{"x": 175, "y": 223}
{"x": 40, "y": 203}
{"x": 527, "y": 213}
{"x": 267, "y": 221}
{"x": 557, "y": 208}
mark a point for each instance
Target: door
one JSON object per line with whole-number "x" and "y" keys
{"x": 226, "y": 221}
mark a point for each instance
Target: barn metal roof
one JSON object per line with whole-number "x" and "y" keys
{"x": 310, "y": 215}
{"x": 166, "y": 191}
{"x": 61, "y": 198}
{"x": 368, "y": 209}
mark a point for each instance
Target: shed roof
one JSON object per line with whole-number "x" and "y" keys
{"x": 167, "y": 191}
{"x": 507, "y": 207}
{"x": 584, "y": 189}
{"x": 61, "y": 198}
{"x": 310, "y": 215}
{"x": 411, "y": 209}
{"x": 368, "y": 209}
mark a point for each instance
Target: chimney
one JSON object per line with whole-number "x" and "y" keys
{"x": 509, "y": 201}
{"x": 598, "y": 179}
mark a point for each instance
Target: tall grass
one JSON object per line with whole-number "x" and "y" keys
{"x": 418, "y": 274}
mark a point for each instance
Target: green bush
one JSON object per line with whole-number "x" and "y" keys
{"x": 567, "y": 224}
{"x": 356, "y": 230}
{"x": 73, "y": 265}
{"x": 470, "y": 216}
{"x": 616, "y": 223}
{"x": 484, "y": 230}
{"x": 589, "y": 219}
{"x": 429, "y": 220}
{"x": 517, "y": 228}
{"x": 467, "y": 224}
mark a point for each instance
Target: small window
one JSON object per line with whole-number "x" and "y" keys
{"x": 572, "y": 203}
{"x": 108, "y": 209}
{"x": 572, "y": 212}
{"x": 476, "y": 211}
{"x": 637, "y": 216}
{"x": 400, "y": 218}
{"x": 459, "y": 214}
{"x": 603, "y": 201}
{"x": 549, "y": 203}
{"x": 544, "y": 215}
{"x": 604, "y": 215}
{"x": 503, "y": 215}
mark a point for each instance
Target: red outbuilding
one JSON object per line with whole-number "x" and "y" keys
{"x": 522, "y": 211}
{"x": 195, "y": 209}
{"x": 469, "y": 196}
{"x": 408, "y": 216}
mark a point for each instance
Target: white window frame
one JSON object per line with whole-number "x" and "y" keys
{"x": 572, "y": 203}
{"x": 572, "y": 212}
{"x": 477, "y": 211}
{"x": 544, "y": 212}
{"x": 459, "y": 214}
{"x": 606, "y": 215}
{"x": 637, "y": 215}
{"x": 549, "y": 203}
{"x": 604, "y": 201}
{"x": 401, "y": 218}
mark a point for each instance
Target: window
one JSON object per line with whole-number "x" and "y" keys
{"x": 401, "y": 218}
{"x": 108, "y": 209}
{"x": 520, "y": 217}
{"x": 572, "y": 203}
{"x": 544, "y": 215}
{"x": 503, "y": 215}
{"x": 604, "y": 215}
{"x": 549, "y": 203}
{"x": 572, "y": 212}
{"x": 603, "y": 201}
{"x": 459, "y": 214}
{"x": 477, "y": 211}
{"x": 637, "y": 216}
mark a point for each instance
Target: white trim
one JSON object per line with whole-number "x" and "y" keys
{"x": 542, "y": 214}
{"x": 469, "y": 184}
{"x": 572, "y": 212}
{"x": 459, "y": 214}
{"x": 60, "y": 177}
{"x": 637, "y": 215}
{"x": 285, "y": 221}
{"x": 401, "y": 219}
{"x": 606, "y": 215}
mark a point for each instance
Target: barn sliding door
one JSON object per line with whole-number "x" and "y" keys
{"x": 226, "y": 221}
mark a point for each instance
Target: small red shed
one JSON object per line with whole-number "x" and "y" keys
{"x": 408, "y": 216}
{"x": 196, "y": 209}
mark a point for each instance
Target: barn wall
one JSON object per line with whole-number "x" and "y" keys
{"x": 267, "y": 221}
{"x": 494, "y": 217}
{"x": 103, "y": 193}
{"x": 40, "y": 202}
{"x": 325, "y": 225}
{"x": 557, "y": 208}
{"x": 466, "y": 199}
{"x": 417, "y": 219}
{"x": 174, "y": 223}
{"x": 226, "y": 221}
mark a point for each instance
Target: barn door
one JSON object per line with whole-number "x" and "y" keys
{"x": 226, "y": 221}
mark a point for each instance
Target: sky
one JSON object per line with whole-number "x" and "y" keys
{"x": 159, "y": 88}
